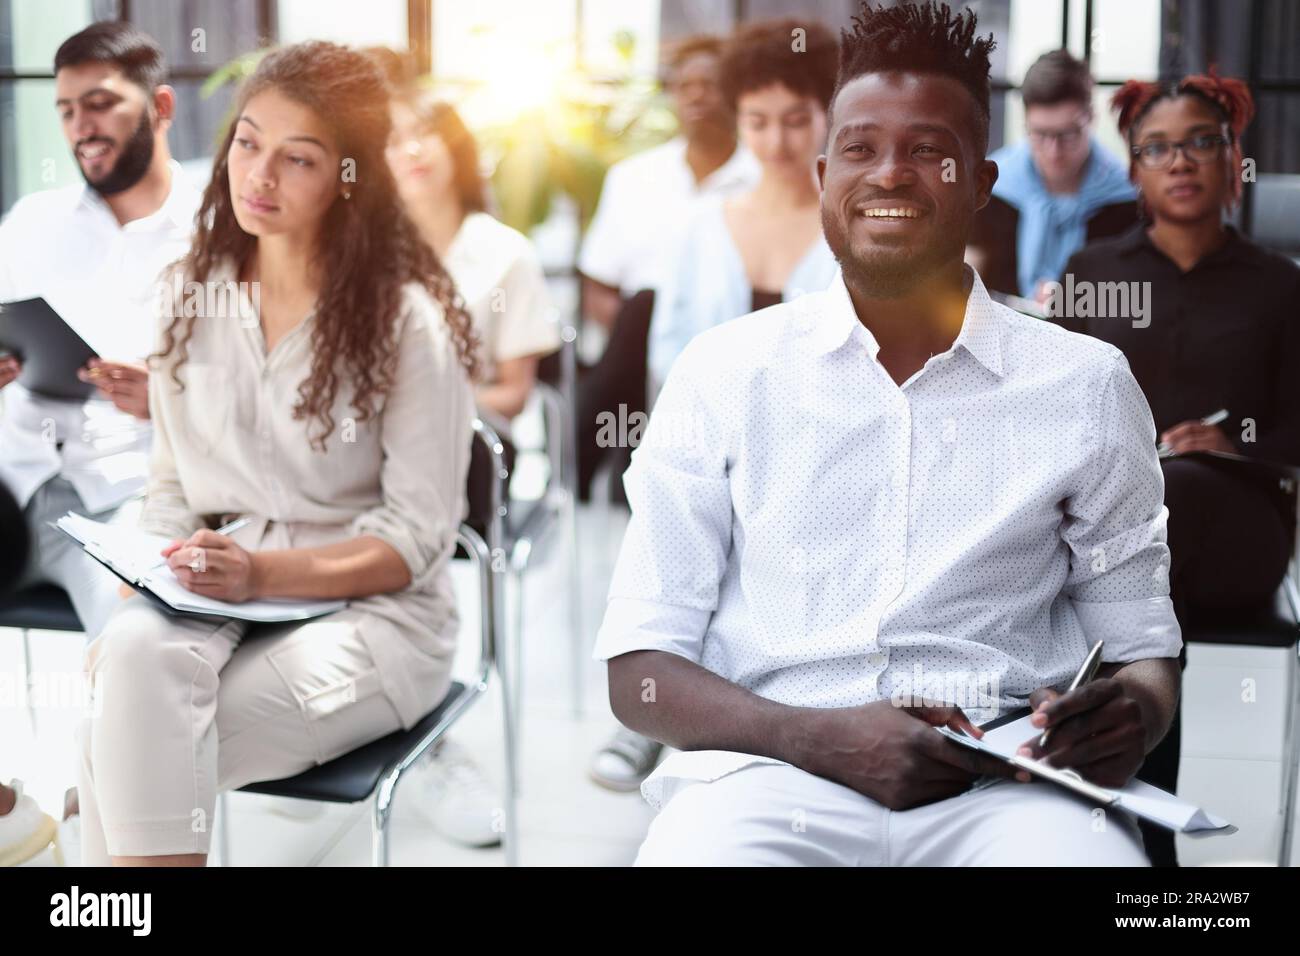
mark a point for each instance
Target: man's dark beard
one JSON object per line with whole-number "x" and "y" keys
{"x": 888, "y": 277}
{"x": 131, "y": 165}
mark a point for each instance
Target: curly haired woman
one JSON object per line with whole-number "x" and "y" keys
{"x": 329, "y": 417}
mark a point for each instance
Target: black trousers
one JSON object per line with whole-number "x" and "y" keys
{"x": 618, "y": 379}
{"x": 1229, "y": 543}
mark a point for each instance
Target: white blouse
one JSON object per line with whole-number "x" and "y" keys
{"x": 497, "y": 273}
{"x": 228, "y": 444}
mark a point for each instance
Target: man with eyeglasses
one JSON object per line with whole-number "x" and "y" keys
{"x": 1057, "y": 189}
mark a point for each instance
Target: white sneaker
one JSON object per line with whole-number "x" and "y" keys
{"x": 451, "y": 793}
{"x": 625, "y": 761}
{"x": 26, "y": 832}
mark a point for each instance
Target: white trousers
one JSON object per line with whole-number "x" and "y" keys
{"x": 186, "y": 707}
{"x": 778, "y": 815}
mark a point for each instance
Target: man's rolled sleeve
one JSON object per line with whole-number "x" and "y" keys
{"x": 1116, "y": 530}
{"x": 665, "y": 585}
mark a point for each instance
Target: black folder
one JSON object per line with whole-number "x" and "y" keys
{"x": 51, "y": 352}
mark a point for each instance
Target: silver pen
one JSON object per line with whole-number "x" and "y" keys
{"x": 232, "y": 526}
{"x": 1087, "y": 671}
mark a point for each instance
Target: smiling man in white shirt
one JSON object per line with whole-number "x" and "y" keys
{"x": 865, "y": 498}
{"x": 94, "y": 252}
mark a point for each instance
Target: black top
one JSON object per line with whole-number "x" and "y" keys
{"x": 761, "y": 300}
{"x": 993, "y": 235}
{"x": 1223, "y": 335}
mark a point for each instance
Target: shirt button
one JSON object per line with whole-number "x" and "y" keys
{"x": 900, "y": 481}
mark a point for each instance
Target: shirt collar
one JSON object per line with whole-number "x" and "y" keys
{"x": 176, "y": 210}
{"x": 741, "y": 167}
{"x": 980, "y": 334}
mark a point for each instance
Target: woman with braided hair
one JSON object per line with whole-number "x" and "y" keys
{"x": 331, "y": 408}
{"x": 1220, "y": 333}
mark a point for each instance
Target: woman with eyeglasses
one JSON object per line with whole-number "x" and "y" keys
{"x": 1215, "y": 332}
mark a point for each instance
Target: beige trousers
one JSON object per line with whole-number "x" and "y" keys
{"x": 183, "y": 708}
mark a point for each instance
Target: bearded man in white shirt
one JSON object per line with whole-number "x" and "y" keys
{"x": 94, "y": 252}
{"x": 852, "y": 504}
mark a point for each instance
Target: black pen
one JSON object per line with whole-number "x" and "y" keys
{"x": 1087, "y": 671}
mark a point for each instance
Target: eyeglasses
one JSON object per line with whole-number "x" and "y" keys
{"x": 1066, "y": 137}
{"x": 1199, "y": 149}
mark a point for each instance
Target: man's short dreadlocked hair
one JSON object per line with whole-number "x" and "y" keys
{"x": 919, "y": 38}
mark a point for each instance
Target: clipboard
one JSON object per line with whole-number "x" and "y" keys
{"x": 1064, "y": 778}
{"x": 132, "y": 555}
{"x": 51, "y": 352}
{"x": 1136, "y": 798}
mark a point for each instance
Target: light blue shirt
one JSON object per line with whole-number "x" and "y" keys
{"x": 1054, "y": 226}
{"x": 708, "y": 285}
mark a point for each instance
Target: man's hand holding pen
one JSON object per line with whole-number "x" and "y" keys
{"x": 1096, "y": 731}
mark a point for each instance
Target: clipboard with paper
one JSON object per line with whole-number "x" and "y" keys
{"x": 133, "y": 556}
{"x": 1002, "y": 737}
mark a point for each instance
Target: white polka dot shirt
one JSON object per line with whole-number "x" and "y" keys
{"x": 808, "y": 529}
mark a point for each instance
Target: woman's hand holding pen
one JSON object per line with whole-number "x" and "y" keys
{"x": 213, "y": 565}
{"x": 1097, "y": 731}
{"x": 125, "y": 384}
{"x": 1196, "y": 436}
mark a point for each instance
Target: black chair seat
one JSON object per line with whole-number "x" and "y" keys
{"x": 354, "y": 776}
{"x": 44, "y": 607}
{"x": 1268, "y": 625}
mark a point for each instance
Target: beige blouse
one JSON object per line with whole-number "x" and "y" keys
{"x": 228, "y": 445}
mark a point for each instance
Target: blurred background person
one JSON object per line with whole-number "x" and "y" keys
{"x": 435, "y": 164}
{"x": 1057, "y": 188}
{"x": 754, "y": 249}
{"x": 644, "y": 204}
{"x": 434, "y": 159}
{"x": 1221, "y": 333}
{"x": 764, "y": 245}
